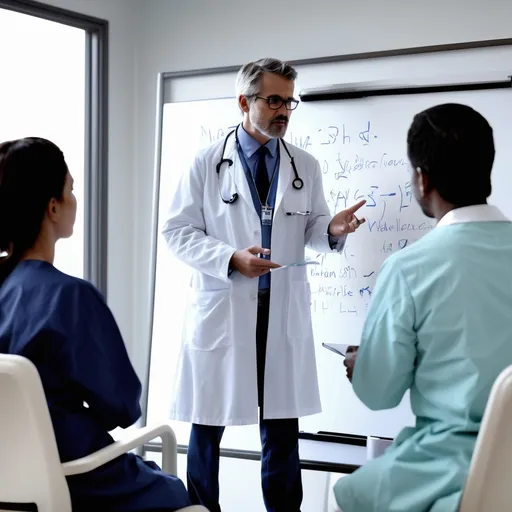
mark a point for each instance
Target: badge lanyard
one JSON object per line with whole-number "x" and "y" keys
{"x": 266, "y": 209}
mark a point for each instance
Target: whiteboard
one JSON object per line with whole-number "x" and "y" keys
{"x": 361, "y": 147}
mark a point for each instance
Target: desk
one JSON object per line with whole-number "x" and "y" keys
{"x": 322, "y": 456}
{"x": 332, "y": 453}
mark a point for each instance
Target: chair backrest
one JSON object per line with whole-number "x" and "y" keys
{"x": 30, "y": 467}
{"x": 489, "y": 484}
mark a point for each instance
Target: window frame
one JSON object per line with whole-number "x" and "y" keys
{"x": 96, "y": 130}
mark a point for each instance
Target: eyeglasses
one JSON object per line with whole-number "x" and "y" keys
{"x": 276, "y": 102}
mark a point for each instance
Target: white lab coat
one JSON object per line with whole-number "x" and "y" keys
{"x": 216, "y": 381}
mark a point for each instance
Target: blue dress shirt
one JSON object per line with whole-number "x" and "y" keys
{"x": 247, "y": 150}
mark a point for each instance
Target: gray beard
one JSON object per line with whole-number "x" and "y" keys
{"x": 276, "y": 131}
{"x": 270, "y": 130}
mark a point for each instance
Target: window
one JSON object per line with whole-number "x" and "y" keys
{"x": 52, "y": 85}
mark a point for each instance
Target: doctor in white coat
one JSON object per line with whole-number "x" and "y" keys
{"x": 251, "y": 203}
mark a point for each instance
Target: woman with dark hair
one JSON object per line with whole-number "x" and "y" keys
{"x": 63, "y": 325}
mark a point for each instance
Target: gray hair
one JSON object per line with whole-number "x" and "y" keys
{"x": 249, "y": 76}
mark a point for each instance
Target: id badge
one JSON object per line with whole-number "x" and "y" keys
{"x": 266, "y": 215}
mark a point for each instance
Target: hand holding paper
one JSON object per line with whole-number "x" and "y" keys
{"x": 249, "y": 263}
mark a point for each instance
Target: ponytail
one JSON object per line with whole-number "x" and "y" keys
{"x": 32, "y": 172}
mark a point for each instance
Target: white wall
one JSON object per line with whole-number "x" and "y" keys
{"x": 181, "y": 35}
{"x": 149, "y": 36}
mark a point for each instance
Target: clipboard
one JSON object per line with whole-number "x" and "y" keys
{"x": 337, "y": 348}
{"x": 298, "y": 264}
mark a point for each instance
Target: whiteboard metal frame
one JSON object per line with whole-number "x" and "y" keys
{"x": 162, "y": 79}
{"x": 349, "y": 92}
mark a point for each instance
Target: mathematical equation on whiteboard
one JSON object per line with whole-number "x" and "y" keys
{"x": 356, "y": 166}
{"x": 345, "y": 285}
{"x": 321, "y": 136}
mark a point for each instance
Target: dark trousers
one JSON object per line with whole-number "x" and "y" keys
{"x": 280, "y": 465}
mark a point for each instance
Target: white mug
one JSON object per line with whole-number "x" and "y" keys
{"x": 376, "y": 446}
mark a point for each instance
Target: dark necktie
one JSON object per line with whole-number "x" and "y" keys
{"x": 261, "y": 178}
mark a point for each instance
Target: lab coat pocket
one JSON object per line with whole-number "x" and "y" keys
{"x": 209, "y": 320}
{"x": 299, "y": 313}
{"x": 297, "y": 204}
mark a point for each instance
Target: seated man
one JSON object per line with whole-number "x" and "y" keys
{"x": 439, "y": 322}
{"x": 63, "y": 325}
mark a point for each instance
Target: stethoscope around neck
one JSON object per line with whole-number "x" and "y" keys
{"x": 297, "y": 182}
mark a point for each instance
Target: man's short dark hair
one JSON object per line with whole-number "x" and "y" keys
{"x": 453, "y": 145}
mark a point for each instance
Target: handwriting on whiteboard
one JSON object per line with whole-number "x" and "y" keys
{"x": 356, "y": 163}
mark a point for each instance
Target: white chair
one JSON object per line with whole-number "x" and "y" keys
{"x": 30, "y": 468}
{"x": 488, "y": 486}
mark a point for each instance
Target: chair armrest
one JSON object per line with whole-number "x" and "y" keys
{"x": 135, "y": 438}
